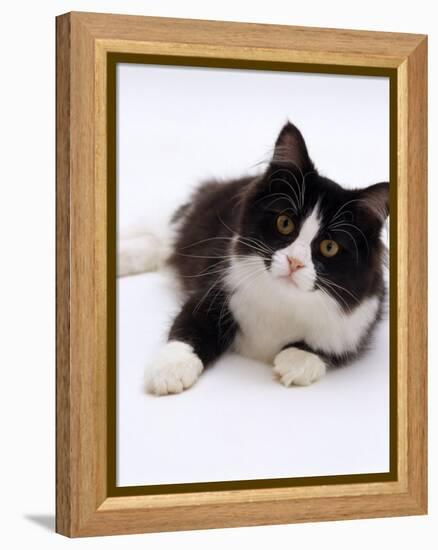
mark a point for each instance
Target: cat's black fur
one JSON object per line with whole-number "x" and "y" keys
{"x": 248, "y": 207}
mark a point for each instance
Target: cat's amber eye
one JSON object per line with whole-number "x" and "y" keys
{"x": 284, "y": 224}
{"x": 328, "y": 248}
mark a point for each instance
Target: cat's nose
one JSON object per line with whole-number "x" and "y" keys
{"x": 294, "y": 264}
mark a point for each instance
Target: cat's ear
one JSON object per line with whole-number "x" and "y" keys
{"x": 290, "y": 148}
{"x": 375, "y": 200}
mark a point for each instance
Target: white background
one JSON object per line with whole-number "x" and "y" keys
{"x": 177, "y": 126}
{"x": 27, "y": 275}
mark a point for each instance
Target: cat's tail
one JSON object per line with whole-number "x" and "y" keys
{"x": 141, "y": 251}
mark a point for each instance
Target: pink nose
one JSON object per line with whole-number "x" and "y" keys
{"x": 294, "y": 264}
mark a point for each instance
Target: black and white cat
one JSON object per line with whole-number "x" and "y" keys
{"x": 285, "y": 268}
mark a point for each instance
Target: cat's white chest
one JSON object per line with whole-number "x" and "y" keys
{"x": 272, "y": 314}
{"x": 263, "y": 329}
{"x": 266, "y": 322}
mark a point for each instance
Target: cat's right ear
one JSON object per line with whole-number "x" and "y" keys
{"x": 290, "y": 148}
{"x": 375, "y": 199}
{"x": 372, "y": 207}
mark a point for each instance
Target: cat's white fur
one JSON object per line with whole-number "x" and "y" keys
{"x": 273, "y": 313}
{"x": 138, "y": 254}
{"x": 176, "y": 368}
{"x": 141, "y": 250}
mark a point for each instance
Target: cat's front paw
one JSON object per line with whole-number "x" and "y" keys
{"x": 294, "y": 366}
{"x": 176, "y": 368}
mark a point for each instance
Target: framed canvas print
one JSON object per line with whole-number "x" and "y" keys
{"x": 241, "y": 274}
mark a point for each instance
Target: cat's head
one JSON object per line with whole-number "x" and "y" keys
{"x": 312, "y": 233}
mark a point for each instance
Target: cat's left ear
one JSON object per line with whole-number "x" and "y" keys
{"x": 375, "y": 199}
{"x": 290, "y": 148}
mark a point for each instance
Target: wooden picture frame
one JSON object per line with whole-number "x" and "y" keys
{"x": 88, "y": 46}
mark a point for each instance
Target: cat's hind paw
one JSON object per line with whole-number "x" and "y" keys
{"x": 294, "y": 366}
{"x": 176, "y": 368}
{"x": 139, "y": 254}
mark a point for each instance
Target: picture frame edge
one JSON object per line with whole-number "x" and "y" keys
{"x": 81, "y": 499}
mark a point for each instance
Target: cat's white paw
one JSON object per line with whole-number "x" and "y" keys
{"x": 176, "y": 368}
{"x": 294, "y": 366}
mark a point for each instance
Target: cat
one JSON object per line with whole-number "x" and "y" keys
{"x": 286, "y": 267}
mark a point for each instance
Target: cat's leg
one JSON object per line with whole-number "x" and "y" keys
{"x": 297, "y": 364}
{"x": 200, "y": 333}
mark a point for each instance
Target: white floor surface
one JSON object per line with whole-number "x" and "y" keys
{"x": 237, "y": 422}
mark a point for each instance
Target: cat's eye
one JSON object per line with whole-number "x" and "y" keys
{"x": 328, "y": 248}
{"x": 284, "y": 224}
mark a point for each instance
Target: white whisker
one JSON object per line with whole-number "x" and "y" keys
{"x": 280, "y": 196}
{"x": 352, "y": 238}
{"x": 330, "y": 282}
{"x": 347, "y": 224}
{"x": 281, "y": 180}
{"x": 338, "y": 212}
